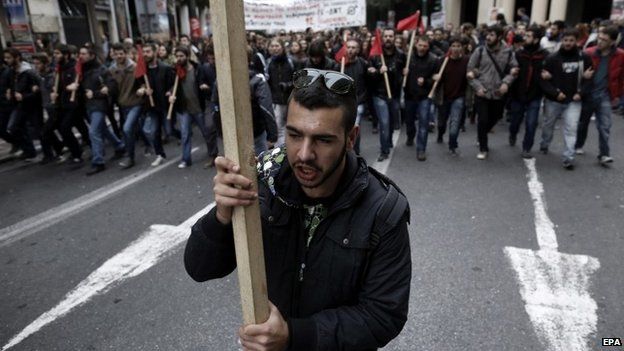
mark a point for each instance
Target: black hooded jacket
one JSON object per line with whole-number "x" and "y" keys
{"x": 95, "y": 76}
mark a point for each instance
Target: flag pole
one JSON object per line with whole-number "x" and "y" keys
{"x": 175, "y": 91}
{"x": 440, "y": 72}
{"x": 343, "y": 60}
{"x": 147, "y": 85}
{"x": 385, "y": 74}
{"x": 409, "y": 56}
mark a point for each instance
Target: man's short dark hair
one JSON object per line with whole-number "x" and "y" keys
{"x": 89, "y": 49}
{"x": 317, "y": 95}
{"x": 63, "y": 49}
{"x": 41, "y": 56}
{"x": 119, "y": 47}
{"x": 183, "y": 49}
{"x": 185, "y": 36}
{"x": 496, "y": 29}
{"x": 559, "y": 24}
{"x": 612, "y": 32}
{"x": 317, "y": 48}
{"x": 570, "y": 32}
{"x": 388, "y": 29}
{"x": 537, "y": 31}
{"x": 13, "y": 52}
{"x": 151, "y": 44}
{"x": 424, "y": 38}
{"x": 456, "y": 39}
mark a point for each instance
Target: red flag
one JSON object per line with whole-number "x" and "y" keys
{"x": 141, "y": 68}
{"x": 78, "y": 69}
{"x": 342, "y": 53}
{"x": 410, "y": 23}
{"x": 57, "y": 68}
{"x": 376, "y": 48}
{"x": 181, "y": 71}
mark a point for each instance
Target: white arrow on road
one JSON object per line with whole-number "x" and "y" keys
{"x": 150, "y": 248}
{"x": 554, "y": 286}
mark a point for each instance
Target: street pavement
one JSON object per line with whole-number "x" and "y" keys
{"x": 68, "y": 282}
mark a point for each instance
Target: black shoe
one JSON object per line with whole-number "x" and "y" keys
{"x": 431, "y": 127}
{"x": 512, "y": 140}
{"x": 127, "y": 163}
{"x": 95, "y": 169}
{"x": 453, "y": 152}
{"x": 118, "y": 155}
{"x": 544, "y": 150}
{"x": 75, "y": 163}
{"x": 421, "y": 156}
{"x": 567, "y": 164}
{"x": 440, "y": 140}
{"x": 46, "y": 159}
{"x": 526, "y": 155}
{"x": 409, "y": 142}
{"x": 382, "y": 157}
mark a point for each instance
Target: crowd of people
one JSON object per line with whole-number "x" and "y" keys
{"x": 151, "y": 93}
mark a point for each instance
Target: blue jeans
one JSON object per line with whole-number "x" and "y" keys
{"x": 152, "y": 128}
{"x": 451, "y": 111}
{"x": 130, "y": 127}
{"x": 518, "y": 111}
{"x": 18, "y": 129}
{"x": 571, "y": 113}
{"x": 418, "y": 110}
{"x": 186, "y": 119}
{"x": 98, "y": 131}
{"x": 387, "y": 111}
{"x": 600, "y": 104}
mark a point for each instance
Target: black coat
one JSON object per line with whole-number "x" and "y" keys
{"x": 395, "y": 63}
{"x": 161, "y": 79}
{"x": 564, "y": 68}
{"x": 527, "y": 86}
{"x": 336, "y": 303}
{"x": 23, "y": 81}
{"x": 358, "y": 71}
{"x": 67, "y": 77}
{"x": 425, "y": 67}
{"x": 279, "y": 72}
{"x": 95, "y": 76}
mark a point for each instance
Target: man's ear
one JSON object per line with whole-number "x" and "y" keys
{"x": 352, "y": 136}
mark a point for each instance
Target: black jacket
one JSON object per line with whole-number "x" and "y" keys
{"x": 425, "y": 67}
{"x": 337, "y": 302}
{"x": 5, "y": 84}
{"x": 261, "y": 105}
{"x": 358, "y": 71}
{"x": 326, "y": 64}
{"x": 161, "y": 79}
{"x": 527, "y": 86}
{"x": 395, "y": 63}
{"x": 279, "y": 72}
{"x": 67, "y": 77}
{"x": 564, "y": 68}
{"x": 95, "y": 76}
{"x": 23, "y": 81}
{"x": 180, "y": 102}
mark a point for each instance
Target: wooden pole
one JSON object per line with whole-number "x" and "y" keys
{"x": 147, "y": 85}
{"x": 343, "y": 60}
{"x": 409, "y": 57}
{"x": 56, "y": 84}
{"x": 72, "y": 98}
{"x": 435, "y": 85}
{"x": 174, "y": 92}
{"x": 235, "y": 106}
{"x": 383, "y": 63}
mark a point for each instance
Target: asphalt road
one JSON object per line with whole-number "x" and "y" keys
{"x": 465, "y": 293}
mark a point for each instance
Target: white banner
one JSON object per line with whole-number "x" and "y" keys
{"x": 297, "y": 15}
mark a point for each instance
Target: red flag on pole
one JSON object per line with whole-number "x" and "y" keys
{"x": 78, "y": 69}
{"x": 342, "y": 53}
{"x": 411, "y": 23}
{"x": 140, "y": 69}
{"x": 376, "y": 48}
{"x": 181, "y": 71}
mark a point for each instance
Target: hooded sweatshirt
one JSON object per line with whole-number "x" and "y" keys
{"x": 564, "y": 67}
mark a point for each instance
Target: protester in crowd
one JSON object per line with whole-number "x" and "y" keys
{"x": 566, "y": 80}
{"x": 526, "y": 93}
{"x": 423, "y": 65}
{"x": 51, "y": 145}
{"x": 551, "y": 42}
{"x": 606, "y": 92}
{"x": 297, "y": 55}
{"x": 356, "y": 68}
{"x": 490, "y": 72}
{"x": 280, "y": 69}
{"x": 165, "y": 55}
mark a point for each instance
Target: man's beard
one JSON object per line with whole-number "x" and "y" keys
{"x": 332, "y": 169}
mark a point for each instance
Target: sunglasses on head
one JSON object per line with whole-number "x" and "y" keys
{"x": 335, "y": 82}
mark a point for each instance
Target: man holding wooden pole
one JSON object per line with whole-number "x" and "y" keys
{"x": 387, "y": 64}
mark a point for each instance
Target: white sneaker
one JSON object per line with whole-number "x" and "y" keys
{"x": 482, "y": 155}
{"x": 579, "y": 152}
{"x": 158, "y": 161}
{"x": 182, "y": 165}
{"x": 604, "y": 160}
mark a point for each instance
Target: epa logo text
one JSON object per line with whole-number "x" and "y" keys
{"x": 611, "y": 342}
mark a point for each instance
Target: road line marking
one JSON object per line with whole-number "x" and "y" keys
{"x": 59, "y": 213}
{"x": 382, "y": 166}
{"x": 149, "y": 249}
{"x": 554, "y": 286}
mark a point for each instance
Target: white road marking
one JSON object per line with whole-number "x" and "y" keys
{"x": 150, "y": 248}
{"x": 153, "y": 246}
{"x": 382, "y": 166}
{"x": 54, "y": 215}
{"x": 554, "y": 286}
